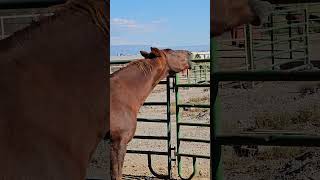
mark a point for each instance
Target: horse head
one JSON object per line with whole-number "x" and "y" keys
{"x": 228, "y": 14}
{"x": 176, "y": 60}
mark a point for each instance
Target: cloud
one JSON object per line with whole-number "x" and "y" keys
{"x": 128, "y": 31}
{"x": 132, "y": 26}
{"x": 126, "y": 23}
{"x": 159, "y": 21}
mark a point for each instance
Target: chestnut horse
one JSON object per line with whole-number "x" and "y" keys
{"x": 53, "y": 82}
{"x": 130, "y": 87}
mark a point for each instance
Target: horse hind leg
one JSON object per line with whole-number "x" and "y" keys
{"x": 118, "y": 152}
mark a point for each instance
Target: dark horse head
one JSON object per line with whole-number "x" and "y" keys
{"x": 228, "y": 14}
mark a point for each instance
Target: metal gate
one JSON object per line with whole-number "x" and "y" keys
{"x": 216, "y": 77}
{"x": 180, "y": 107}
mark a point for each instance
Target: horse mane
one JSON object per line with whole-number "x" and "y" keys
{"x": 99, "y": 15}
{"x": 143, "y": 65}
{"x": 89, "y": 7}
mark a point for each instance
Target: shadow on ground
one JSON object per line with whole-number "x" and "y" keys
{"x": 131, "y": 177}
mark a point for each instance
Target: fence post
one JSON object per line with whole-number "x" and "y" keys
{"x": 169, "y": 127}
{"x": 249, "y": 49}
{"x": 290, "y": 36}
{"x": 272, "y": 41}
{"x": 215, "y": 149}
{"x": 2, "y": 27}
{"x": 307, "y": 44}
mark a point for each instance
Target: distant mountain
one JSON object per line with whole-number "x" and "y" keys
{"x": 125, "y": 50}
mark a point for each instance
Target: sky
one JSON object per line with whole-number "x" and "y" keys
{"x": 162, "y": 23}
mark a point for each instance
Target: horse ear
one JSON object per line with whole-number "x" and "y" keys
{"x": 155, "y": 51}
{"x": 145, "y": 54}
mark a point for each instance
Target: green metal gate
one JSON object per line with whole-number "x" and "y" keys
{"x": 179, "y": 124}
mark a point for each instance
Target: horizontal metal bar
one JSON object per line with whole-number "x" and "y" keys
{"x": 193, "y": 155}
{"x": 280, "y": 27}
{"x": 268, "y": 50}
{"x": 298, "y": 58}
{"x": 194, "y": 140}
{"x": 279, "y": 53}
{"x": 285, "y": 21}
{"x": 22, "y": 4}
{"x": 285, "y": 62}
{"x": 266, "y": 76}
{"x": 258, "y": 39}
{"x": 193, "y": 85}
{"x": 231, "y": 57}
{"x": 151, "y": 137}
{"x": 200, "y": 60}
{"x": 193, "y": 124}
{"x": 288, "y": 9}
{"x": 194, "y": 105}
{"x": 155, "y": 103}
{"x": 152, "y": 120}
{"x": 269, "y": 140}
{"x": 233, "y": 50}
{"x": 94, "y": 178}
{"x": 299, "y": 68}
{"x": 147, "y": 152}
{"x": 278, "y": 41}
{"x": 291, "y": 1}
{"x": 120, "y": 62}
{"x": 229, "y": 40}
{"x": 272, "y": 131}
{"x": 162, "y": 82}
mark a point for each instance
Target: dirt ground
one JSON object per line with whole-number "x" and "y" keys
{"x": 269, "y": 106}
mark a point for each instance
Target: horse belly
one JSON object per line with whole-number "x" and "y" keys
{"x": 26, "y": 154}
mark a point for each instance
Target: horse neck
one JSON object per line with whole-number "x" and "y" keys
{"x": 141, "y": 83}
{"x": 63, "y": 52}
{"x": 62, "y": 35}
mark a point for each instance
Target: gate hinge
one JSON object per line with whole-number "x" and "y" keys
{"x": 173, "y": 149}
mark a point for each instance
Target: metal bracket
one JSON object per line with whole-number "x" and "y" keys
{"x": 161, "y": 176}
{"x": 194, "y": 165}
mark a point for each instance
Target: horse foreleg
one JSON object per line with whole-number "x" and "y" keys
{"x": 118, "y": 152}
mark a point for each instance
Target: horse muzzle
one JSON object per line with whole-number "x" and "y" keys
{"x": 262, "y": 10}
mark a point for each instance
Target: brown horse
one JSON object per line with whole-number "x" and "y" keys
{"x": 53, "y": 82}
{"x": 130, "y": 87}
{"x": 228, "y": 14}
